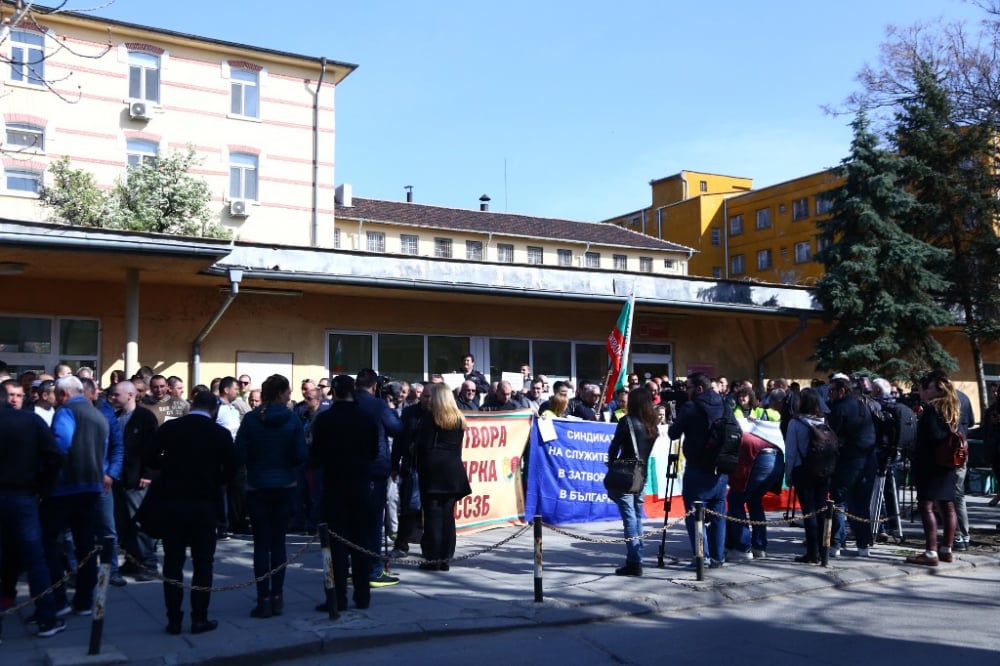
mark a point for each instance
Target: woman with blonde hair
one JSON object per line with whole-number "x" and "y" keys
{"x": 558, "y": 404}
{"x": 441, "y": 475}
{"x": 935, "y": 483}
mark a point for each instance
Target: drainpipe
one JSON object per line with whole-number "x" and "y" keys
{"x": 643, "y": 221}
{"x": 725, "y": 236}
{"x": 235, "y": 276}
{"x": 659, "y": 221}
{"x": 684, "y": 182}
{"x": 315, "y": 183}
{"x": 781, "y": 345}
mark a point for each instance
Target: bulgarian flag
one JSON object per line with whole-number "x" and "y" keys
{"x": 338, "y": 358}
{"x": 618, "y": 344}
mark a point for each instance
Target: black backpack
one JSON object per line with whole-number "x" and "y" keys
{"x": 901, "y": 436}
{"x": 722, "y": 446}
{"x": 821, "y": 456}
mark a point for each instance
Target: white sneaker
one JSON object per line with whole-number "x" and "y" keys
{"x": 834, "y": 552}
{"x": 863, "y": 552}
{"x": 739, "y": 556}
{"x": 759, "y": 554}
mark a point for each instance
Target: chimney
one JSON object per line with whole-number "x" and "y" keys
{"x": 343, "y": 195}
{"x": 409, "y": 193}
{"x": 484, "y": 202}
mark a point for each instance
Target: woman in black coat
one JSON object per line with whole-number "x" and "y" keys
{"x": 935, "y": 484}
{"x": 441, "y": 475}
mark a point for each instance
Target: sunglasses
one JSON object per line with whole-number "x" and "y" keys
{"x": 244, "y": 383}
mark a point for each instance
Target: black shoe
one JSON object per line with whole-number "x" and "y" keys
{"x": 630, "y": 569}
{"x": 429, "y": 566}
{"x": 263, "y": 608}
{"x": 143, "y": 577}
{"x": 117, "y": 580}
{"x": 445, "y": 566}
{"x": 174, "y": 628}
{"x": 201, "y": 626}
{"x": 807, "y": 559}
{"x": 277, "y": 605}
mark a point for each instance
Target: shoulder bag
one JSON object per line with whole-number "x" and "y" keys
{"x": 626, "y": 474}
{"x": 952, "y": 451}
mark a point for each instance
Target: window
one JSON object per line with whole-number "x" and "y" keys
{"x": 764, "y": 259}
{"x": 716, "y": 237}
{"x": 592, "y": 259}
{"x": 25, "y": 136}
{"x": 23, "y": 180}
{"x": 408, "y": 243}
{"x": 822, "y": 243}
{"x": 27, "y": 57}
{"x": 474, "y": 250}
{"x": 243, "y": 176}
{"x": 565, "y": 257}
{"x": 505, "y": 253}
{"x": 621, "y": 262}
{"x": 738, "y": 264}
{"x": 824, "y": 202}
{"x": 244, "y": 93}
{"x": 144, "y": 76}
{"x": 668, "y": 263}
{"x": 717, "y": 272}
{"x": 536, "y": 255}
{"x": 736, "y": 225}
{"x": 442, "y": 248}
{"x": 376, "y": 241}
{"x": 803, "y": 252}
{"x": 800, "y": 209}
{"x": 703, "y": 185}
{"x": 764, "y": 218}
{"x": 38, "y": 343}
{"x": 140, "y": 151}
{"x": 645, "y": 264}
{"x": 336, "y": 238}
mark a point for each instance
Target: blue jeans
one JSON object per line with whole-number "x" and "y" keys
{"x": 79, "y": 513}
{"x": 630, "y": 508}
{"x": 19, "y": 520}
{"x": 851, "y": 490}
{"x": 106, "y": 524}
{"x": 700, "y": 485}
{"x": 376, "y": 505}
{"x": 764, "y": 475}
{"x": 270, "y": 511}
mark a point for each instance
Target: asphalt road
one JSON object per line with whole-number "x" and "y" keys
{"x": 945, "y": 619}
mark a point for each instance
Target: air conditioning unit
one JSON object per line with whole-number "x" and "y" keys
{"x": 138, "y": 111}
{"x": 238, "y": 208}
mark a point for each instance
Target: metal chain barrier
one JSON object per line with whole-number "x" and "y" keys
{"x": 646, "y": 535}
{"x": 51, "y": 588}
{"x": 779, "y": 521}
{"x": 222, "y": 588}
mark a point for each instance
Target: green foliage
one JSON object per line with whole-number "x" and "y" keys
{"x": 159, "y": 196}
{"x": 879, "y": 281}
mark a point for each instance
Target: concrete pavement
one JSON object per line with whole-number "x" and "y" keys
{"x": 492, "y": 591}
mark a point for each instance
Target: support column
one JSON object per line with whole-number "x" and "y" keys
{"x": 131, "y": 321}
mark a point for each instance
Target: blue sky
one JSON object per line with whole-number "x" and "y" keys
{"x": 583, "y": 101}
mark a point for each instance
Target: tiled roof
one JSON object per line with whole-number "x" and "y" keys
{"x": 524, "y": 226}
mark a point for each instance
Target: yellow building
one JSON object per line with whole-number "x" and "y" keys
{"x": 687, "y": 209}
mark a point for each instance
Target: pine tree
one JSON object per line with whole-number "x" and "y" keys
{"x": 952, "y": 171}
{"x": 877, "y": 287}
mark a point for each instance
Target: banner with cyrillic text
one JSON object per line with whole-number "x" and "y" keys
{"x": 566, "y": 466}
{"x": 494, "y": 444}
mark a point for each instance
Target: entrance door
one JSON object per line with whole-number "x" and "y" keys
{"x": 652, "y": 365}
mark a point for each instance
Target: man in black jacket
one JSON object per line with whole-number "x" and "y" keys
{"x": 345, "y": 443}
{"x": 195, "y": 457}
{"x": 29, "y": 464}
{"x": 138, "y": 431}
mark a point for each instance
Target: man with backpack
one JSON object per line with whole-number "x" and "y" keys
{"x": 851, "y": 487}
{"x": 702, "y": 481}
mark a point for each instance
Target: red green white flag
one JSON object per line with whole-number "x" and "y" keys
{"x": 618, "y": 346}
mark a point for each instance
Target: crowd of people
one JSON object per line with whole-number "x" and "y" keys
{"x": 140, "y": 464}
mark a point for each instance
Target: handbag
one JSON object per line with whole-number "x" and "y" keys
{"x": 952, "y": 451}
{"x": 627, "y": 474}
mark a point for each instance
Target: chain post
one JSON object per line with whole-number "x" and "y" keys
{"x": 538, "y": 558}
{"x": 699, "y": 538}
{"x": 101, "y": 595}
{"x": 827, "y": 534}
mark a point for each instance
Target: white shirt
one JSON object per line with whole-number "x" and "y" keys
{"x": 46, "y": 414}
{"x": 229, "y": 417}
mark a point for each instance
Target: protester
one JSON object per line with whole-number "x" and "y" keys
{"x": 634, "y": 437}
{"x": 935, "y": 484}
{"x": 195, "y": 458}
{"x": 271, "y": 443}
{"x": 810, "y": 489}
{"x": 442, "y": 477}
